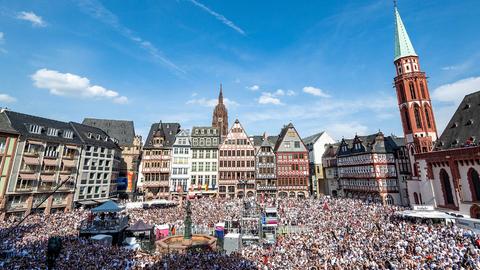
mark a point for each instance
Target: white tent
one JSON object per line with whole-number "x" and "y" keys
{"x": 103, "y": 239}
{"x": 425, "y": 214}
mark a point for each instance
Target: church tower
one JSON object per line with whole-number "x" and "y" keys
{"x": 220, "y": 116}
{"x": 412, "y": 93}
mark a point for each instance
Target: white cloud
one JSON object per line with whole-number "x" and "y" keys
{"x": 315, "y": 91}
{"x": 253, "y": 87}
{"x": 269, "y": 98}
{"x": 7, "y": 99}
{"x": 212, "y": 102}
{"x": 31, "y": 17}
{"x": 454, "y": 92}
{"x": 2, "y": 37}
{"x": 219, "y": 17}
{"x": 279, "y": 92}
{"x": 67, "y": 84}
{"x": 291, "y": 93}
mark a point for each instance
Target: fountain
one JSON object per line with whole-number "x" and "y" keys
{"x": 189, "y": 241}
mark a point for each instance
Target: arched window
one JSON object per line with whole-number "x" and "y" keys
{"x": 447, "y": 188}
{"x": 422, "y": 90}
{"x": 412, "y": 90}
{"x": 474, "y": 181}
{"x": 407, "y": 119}
{"x": 402, "y": 93}
{"x": 418, "y": 120}
{"x": 415, "y": 197}
{"x": 427, "y": 116}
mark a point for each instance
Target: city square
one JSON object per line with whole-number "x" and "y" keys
{"x": 254, "y": 178}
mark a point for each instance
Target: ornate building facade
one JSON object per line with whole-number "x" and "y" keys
{"x": 236, "y": 164}
{"x": 367, "y": 168}
{"x": 156, "y": 160}
{"x": 265, "y": 166}
{"x": 292, "y": 164}
{"x": 220, "y": 116}
{"x": 204, "y": 175}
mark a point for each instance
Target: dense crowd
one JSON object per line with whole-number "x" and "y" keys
{"x": 334, "y": 234}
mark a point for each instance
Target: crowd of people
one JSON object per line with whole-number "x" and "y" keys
{"x": 335, "y": 234}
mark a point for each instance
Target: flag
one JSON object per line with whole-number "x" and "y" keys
{"x": 325, "y": 206}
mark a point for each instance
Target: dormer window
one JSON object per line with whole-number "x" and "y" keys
{"x": 67, "y": 134}
{"x": 196, "y": 131}
{"x": 344, "y": 148}
{"x": 52, "y": 132}
{"x": 467, "y": 106}
{"x": 455, "y": 142}
{"x": 35, "y": 129}
{"x": 90, "y": 135}
{"x": 358, "y": 146}
{"x": 454, "y": 125}
{"x": 98, "y": 137}
{"x": 469, "y": 122}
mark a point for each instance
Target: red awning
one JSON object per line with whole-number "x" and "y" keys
{"x": 28, "y": 176}
{"x": 48, "y": 178}
{"x": 31, "y": 160}
{"x": 69, "y": 163}
{"x": 50, "y": 162}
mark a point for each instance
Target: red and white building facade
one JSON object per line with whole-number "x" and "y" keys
{"x": 292, "y": 164}
{"x": 236, "y": 164}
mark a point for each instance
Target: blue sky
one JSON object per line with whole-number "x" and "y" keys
{"x": 324, "y": 65}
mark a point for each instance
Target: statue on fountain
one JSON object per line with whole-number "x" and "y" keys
{"x": 187, "y": 233}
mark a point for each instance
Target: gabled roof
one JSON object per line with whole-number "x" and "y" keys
{"x": 258, "y": 140}
{"x": 281, "y": 137}
{"x": 403, "y": 45}
{"x": 463, "y": 126}
{"x": 122, "y": 130}
{"x": 89, "y": 136}
{"x": 313, "y": 138}
{"x": 21, "y": 123}
{"x": 166, "y": 130}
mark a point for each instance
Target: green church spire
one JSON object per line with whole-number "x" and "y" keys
{"x": 403, "y": 45}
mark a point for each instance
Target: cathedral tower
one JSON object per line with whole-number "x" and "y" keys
{"x": 413, "y": 96}
{"x": 220, "y": 116}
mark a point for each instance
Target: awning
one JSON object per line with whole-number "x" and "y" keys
{"x": 48, "y": 178}
{"x": 50, "y": 162}
{"x": 425, "y": 214}
{"x": 88, "y": 202}
{"x": 31, "y": 160}
{"x": 35, "y": 142}
{"x": 108, "y": 206}
{"x": 140, "y": 226}
{"x": 28, "y": 176}
{"x": 69, "y": 163}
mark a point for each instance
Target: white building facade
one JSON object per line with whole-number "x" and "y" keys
{"x": 180, "y": 165}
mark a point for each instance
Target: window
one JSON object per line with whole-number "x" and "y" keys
{"x": 35, "y": 129}
{"x": 297, "y": 144}
{"x": 417, "y": 117}
{"x": 402, "y": 93}
{"x": 427, "y": 116}
{"x": 446, "y": 187}
{"x": 52, "y": 132}
{"x": 286, "y": 144}
{"x": 68, "y": 134}
{"x": 412, "y": 91}
{"x": 474, "y": 180}
{"x": 422, "y": 90}
{"x": 214, "y": 153}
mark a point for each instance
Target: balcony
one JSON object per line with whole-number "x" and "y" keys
{"x": 31, "y": 153}
{"x": 51, "y": 154}
{"x": 24, "y": 189}
{"x": 266, "y": 187}
{"x": 155, "y": 170}
{"x": 11, "y": 206}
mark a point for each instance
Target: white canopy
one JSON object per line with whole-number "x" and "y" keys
{"x": 425, "y": 214}
{"x": 108, "y": 206}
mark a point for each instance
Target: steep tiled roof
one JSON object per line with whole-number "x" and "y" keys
{"x": 123, "y": 131}
{"x": 93, "y": 136}
{"x": 374, "y": 143}
{"x": 313, "y": 138}
{"x": 21, "y": 123}
{"x": 5, "y": 125}
{"x": 166, "y": 130}
{"x": 258, "y": 140}
{"x": 463, "y": 126}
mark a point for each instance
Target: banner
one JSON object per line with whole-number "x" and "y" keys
{"x": 130, "y": 182}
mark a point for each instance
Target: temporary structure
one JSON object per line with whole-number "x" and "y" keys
{"x": 108, "y": 207}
